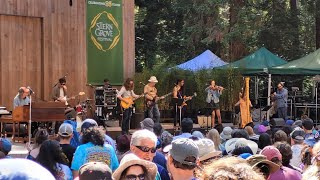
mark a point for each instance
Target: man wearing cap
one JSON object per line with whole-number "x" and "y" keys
{"x": 94, "y": 170}
{"x": 183, "y": 158}
{"x": 281, "y": 98}
{"x": 186, "y": 128}
{"x": 151, "y": 96}
{"x": 284, "y": 173}
{"x": 65, "y": 135}
{"x": 5, "y": 146}
{"x": 297, "y": 144}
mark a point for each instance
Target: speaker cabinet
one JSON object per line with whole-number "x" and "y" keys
{"x": 277, "y": 122}
{"x": 204, "y": 121}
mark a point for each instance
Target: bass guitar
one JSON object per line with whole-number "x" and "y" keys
{"x": 187, "y": 99}
{"x": 129, "y": 101}
{"x": 151, "y": 103}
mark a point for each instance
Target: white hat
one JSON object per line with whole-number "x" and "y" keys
{"x": 241, "y": 142}
{"x": 153, "y": 79}
{"x": 206, "y": 149}
{"x": 226, "y": 133}
{"x": 65, "y": 130}
{"x": 130, "y": 160}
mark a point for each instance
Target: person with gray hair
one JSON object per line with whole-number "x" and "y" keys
{"x": 143, "y": 144}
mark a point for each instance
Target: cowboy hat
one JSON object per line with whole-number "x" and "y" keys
{"x": 153, "y": 79}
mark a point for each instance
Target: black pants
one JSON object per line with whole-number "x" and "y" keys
{"x": 127, "y": 114}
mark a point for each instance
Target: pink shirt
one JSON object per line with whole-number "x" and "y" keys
{"x": 285, "y": 173}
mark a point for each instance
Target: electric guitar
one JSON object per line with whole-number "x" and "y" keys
{"x": 65, "y": 99}
{"x": 187, "y": 99}
{"x": 151, "y": 103}
{"x": 130, "y": 101}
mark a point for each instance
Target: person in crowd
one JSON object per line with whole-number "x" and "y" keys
{"x": 183, "y": 159}
{"x": 285, "y": 173}
{"x": 297, "y": 123}
{"x": 280, "y": 136}
{"x": 297, "y": 144}
{"x": 132, "y": 167}
{"x": 240, "y": 133}
{"x": 40, "y": 137}
{"x": 2, "y": 155}
{"x": 23, "y": 169}
{"x": 186, "y": 128}
{"x": 106, "y": 84}
{"x": 21, "y": 98}
{"x": 5, "y": 146}
{"x": 143, "y": 144}
{"x": 264, "y": 140}
{"x": 147, "y": 124}
{"x": 52, "y": 158}
{"x": 93, "y": 149}
{"x": 65, "y": 135}
{"x": 95, "y": 170}
{"x": 281, "y": 99}
{"x": 166, "y": 139}
{"x": 251, "y": 133}
{"x": 231, "y": 168}
{"x": 310, "y": 137}
{"x": 312, "y": 172}
{"x": 197, "y": 134}
{"x": 158, "y": 130}
{"x": 213, "y": 135}
{"x": 213, "y": 97}
{"x": 241, "y": 150}
{"x": 261, "y": 164}
{"x": 286, "y": 152}
{"x": 151, "y": 98}
{"x": 123, "y": 145}
{"x": 126, "y": 94}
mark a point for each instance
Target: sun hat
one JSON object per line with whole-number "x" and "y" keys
{"x": 206, "y": 149}
{"x": 226, "y": 133}
{"x": 257, "y": 159}
{"x": 5, "y": 145}
{"x": 95, "y": 170}
{"x": 153, "y": 79}
{"x": 182, "y": 148}
{"x": 197, "y": 134}
{"x": 240, "y": 142}
{"x": 130, "y": 160}
{"x": 271, "y": 152}
{"x": 65, "y": 130}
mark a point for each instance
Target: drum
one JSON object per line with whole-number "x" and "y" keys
{"x": 79, "y": 109}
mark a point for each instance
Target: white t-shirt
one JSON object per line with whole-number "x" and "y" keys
{"x": 296, "y": 152}
{"x": 61, "y": 92}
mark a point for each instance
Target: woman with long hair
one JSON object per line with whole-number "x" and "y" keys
{"x": 53, "y": 159}
{"x": 213, "y": 95}
{"x": 214, "y": 135}
{"x": 41, "y": 136}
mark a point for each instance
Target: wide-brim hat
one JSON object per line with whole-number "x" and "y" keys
{"x": 207, "y": 149}
{"x": 153, "y": 79}
{"x": 130, "y": 160}
{"x": 231, "y": 144}
{"x": 257, "y": 159}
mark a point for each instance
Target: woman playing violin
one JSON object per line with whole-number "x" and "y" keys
{"x": 212, "y": 99}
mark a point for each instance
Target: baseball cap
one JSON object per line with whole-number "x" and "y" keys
{"x": 297, "y": 134}
{"x": 289, "y": 122}
{"x": 95, "y": 170}
{"x": 307, "y": 124}
{"x": 183, "y": 148}
{"x": 86, "y": 125}
{"x": 297, "y": 123}
{"x": 206, "y": 149}
{"x": 257, "y": 159}
{"x": 271, "y": 152}
{"x": 65, "y": 130}
{"x": 5, "y": 145}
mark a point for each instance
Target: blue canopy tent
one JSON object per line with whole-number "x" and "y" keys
{"x": 206, "y": 60}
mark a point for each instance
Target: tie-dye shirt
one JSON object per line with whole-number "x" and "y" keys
{"x": 90, "y": 153}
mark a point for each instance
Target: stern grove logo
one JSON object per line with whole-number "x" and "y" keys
{"x": 104, "y": 31}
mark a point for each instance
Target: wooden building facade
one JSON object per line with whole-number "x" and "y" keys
{"x": 43, "y": 40}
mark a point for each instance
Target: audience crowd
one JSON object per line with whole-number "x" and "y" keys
{"x": 290, "y": 152}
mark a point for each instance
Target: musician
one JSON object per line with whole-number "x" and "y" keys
{"x": 213, "y": 95}
{"x": 59, "y": 92}
{"x": 151, "y": 96}
{"x": 281, "y": 99}
{"x": 107, "y": 84}
{"x": 126, "y": 91}
{"x": 21, "y": 98}
{"x": 245, "y": 105}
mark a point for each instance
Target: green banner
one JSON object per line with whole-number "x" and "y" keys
{"x": 104, "y": 41}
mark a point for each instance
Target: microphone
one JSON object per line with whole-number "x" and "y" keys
{"x": 31, "y": 91}
{"x": 142, "y": 83}
{"x": 65, "y": 76}
{"x": 90, "y": 85}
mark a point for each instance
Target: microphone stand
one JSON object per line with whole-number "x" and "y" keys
{"x": 29, "y": 127}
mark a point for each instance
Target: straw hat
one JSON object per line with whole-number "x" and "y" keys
{"x": 206, "y": 149}
{"x": 153, "y": 79}
{"x": 130, "y": 160}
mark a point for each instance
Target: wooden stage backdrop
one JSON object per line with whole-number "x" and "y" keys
{"x": 42, "y": 40}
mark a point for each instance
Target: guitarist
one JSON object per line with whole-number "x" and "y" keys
{"x": 151, "y": 96}
{"x": 126, "y": 91}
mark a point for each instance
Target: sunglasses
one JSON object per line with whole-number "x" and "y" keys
{"x": 134, "y": 177}
{"x": 146, "y": 149}
{"x": 63, "y": 84}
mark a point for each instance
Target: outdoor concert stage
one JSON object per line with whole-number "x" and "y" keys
{"x": 19, "y": 150}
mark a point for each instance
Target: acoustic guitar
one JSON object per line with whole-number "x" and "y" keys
{"x": 187, "y": 99}
{"x": 130, "y": 101}
{"x": 151, "y": 103}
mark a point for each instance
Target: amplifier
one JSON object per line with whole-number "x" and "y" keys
{"x": 110, "y": 97}
{"x": 277, "y": 122}
{"x": 204, "y": 121}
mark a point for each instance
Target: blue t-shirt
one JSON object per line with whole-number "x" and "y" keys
{"x": 163, "y": 172}
{"x": 90, "y": 153}
{"x": 160, "y": 159}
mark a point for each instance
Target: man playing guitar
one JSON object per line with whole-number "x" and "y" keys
{"x": 127, "y": 96}
{"x": 150, "y": 92}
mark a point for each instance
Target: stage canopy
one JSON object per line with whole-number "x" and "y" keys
{"x": 206, "y": 60}
{"x": 256, "y": 63}
{"x": 308, "y": 65}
